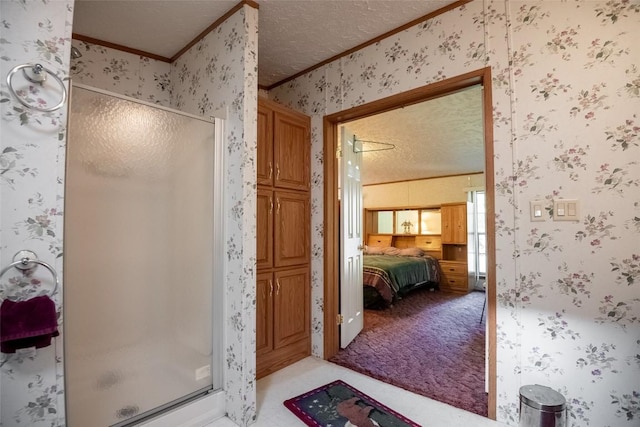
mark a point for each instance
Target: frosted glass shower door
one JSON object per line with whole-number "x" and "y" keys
{"x": 138, "y": 259}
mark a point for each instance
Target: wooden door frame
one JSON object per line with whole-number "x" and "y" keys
{"x": 332, "y": 213}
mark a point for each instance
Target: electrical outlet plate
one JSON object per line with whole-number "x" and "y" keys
{"x": 566, "y": 210}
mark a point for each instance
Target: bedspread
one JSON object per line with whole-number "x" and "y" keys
{"x": 389, "y": 275}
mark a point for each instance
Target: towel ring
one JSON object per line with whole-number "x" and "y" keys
{"x": 26, "y": 260}
{"x": 38, "y": 77}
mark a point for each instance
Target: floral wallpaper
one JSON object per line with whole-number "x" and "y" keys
{"x": 122, "y": 72}
{"x": 217, "y": 74}
{"x": 220, "y": 73}
{"x": 32, "y": 157}
{"x": 566, "y": 97}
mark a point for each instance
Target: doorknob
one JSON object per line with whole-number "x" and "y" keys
{"x": 360, "y": 247}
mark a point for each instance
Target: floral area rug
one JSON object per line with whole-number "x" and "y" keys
{"x": 338, "y": 404}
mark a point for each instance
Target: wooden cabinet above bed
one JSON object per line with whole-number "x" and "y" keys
{"x": 385, "y": 227}
{"x": 388, "y": 225}
{"x": 405, "y": 221}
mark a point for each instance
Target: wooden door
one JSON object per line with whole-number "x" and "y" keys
{"x": 447, "y": 231}
{"x": 292, "y": 321}
{"x": 264, "y": 161}
{"x": 459, "y": 223}
{"x": 351, "y": 243}
{"x": 291, "y": 151}
{"x": 264, "y": 313}
{"x": 454, "y": 224}
{"x": 264, "y": 229}
{"x": 291, "y": 228}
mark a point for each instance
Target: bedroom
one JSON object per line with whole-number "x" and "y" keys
{"x": 439, "y": 147}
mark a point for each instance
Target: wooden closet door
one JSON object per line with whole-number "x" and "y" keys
{"x": 264, "y": 229}
{"x": 292, "y": 297}
{"x": 292, "y": 229}
{"x": 264, "y": 313}
{"x": 291, "y": 151}
{"x": 459, "y": 220}
{"x": 264, "y": 166}
{"x": 454, "y": 224}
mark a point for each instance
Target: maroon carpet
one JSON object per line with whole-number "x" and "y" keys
{"x": 430, "y": 343}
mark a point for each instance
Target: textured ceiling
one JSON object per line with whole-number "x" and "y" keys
{"x": 440, "y": 137}
{"x": 294, "y": 34}
{"x": 298, "y": 34}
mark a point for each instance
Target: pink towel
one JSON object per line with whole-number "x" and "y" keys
{"x": 25, "y": 324}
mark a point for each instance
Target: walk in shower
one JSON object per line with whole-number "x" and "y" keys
{"x": 142, "y": 290}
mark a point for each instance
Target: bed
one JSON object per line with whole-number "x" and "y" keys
{"x": 389, "y": 272}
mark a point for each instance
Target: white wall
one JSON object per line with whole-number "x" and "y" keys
{"x": 422, "y": 192}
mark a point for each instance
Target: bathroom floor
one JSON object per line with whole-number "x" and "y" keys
{"x": 310, "y": 373}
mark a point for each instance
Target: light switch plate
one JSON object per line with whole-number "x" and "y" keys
{"x": 536, "y": 210}
{"x": 566, "y": 210}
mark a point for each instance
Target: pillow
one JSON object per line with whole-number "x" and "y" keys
{"x": 411, "y": 252}
{"x": 374, "y": 250}
{"x": 391, "y": 251}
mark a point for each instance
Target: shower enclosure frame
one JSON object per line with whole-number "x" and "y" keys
{"x": 212, "y": 405}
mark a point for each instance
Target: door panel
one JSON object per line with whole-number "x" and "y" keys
{"x": 292, "y": 228}
{"x": 292, "y": 306}
{"x": 291, "y": 152}
{"x": 454, "y": 224}
{"x": 264, "y": 164}
{"x": 264, "y": 229}
{"x": 351, "y": 298}
{"x": 264, "y": 313}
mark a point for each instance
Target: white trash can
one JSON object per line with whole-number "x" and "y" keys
{"x": 542, "y": 406}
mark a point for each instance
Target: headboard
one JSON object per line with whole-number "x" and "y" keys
{"x": 379, "y": 240}
{"x": 430, "y": 244}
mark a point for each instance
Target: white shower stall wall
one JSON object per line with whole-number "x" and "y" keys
{"x": 139, "y": 242}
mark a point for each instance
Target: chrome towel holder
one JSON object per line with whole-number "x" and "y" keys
{"x": 39, "y": 75}
{"x": 26, "y": 260}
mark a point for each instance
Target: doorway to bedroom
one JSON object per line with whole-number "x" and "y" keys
{"x": 404, "y": 188}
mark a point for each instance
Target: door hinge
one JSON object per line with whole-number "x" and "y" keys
{"x": 339, "y": 319}
{"x": 338, "y": 154}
